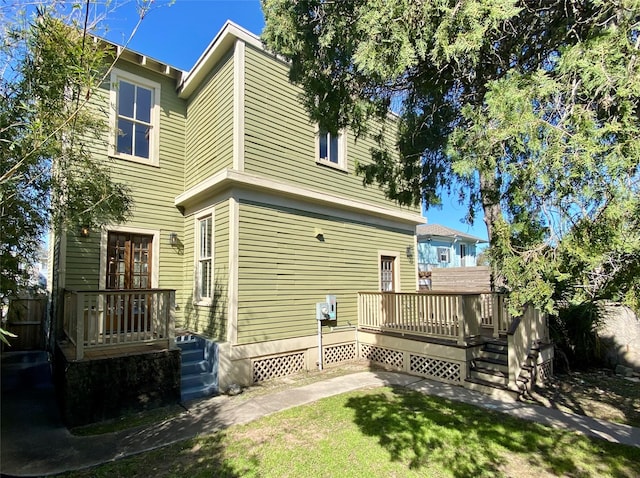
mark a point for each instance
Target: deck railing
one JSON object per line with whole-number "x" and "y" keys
{"x": 434, "y": 314}
{"x": 109, "y": 318}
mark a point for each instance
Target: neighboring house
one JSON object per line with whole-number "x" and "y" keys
{"x": 242, "y": 206}
{"x": 440, "y": 246}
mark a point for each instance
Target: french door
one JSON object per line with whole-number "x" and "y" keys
{"x": 128, "y": 269}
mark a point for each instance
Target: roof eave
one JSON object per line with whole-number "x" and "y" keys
{"x": 221, "y": 44}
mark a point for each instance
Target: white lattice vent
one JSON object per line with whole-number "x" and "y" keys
{"x": 273, "y": 367}
{"x": 433, "y": 368}
{"x": 545, "y": 371}
{"x": 339, "y": 353}
{"x": 381, "y": 356}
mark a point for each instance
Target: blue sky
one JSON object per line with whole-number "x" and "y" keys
{"x": 179, "y": 33}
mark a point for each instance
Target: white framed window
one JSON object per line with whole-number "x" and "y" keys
{"x": 331, "y": 149}
{"x": 204, "y": 258}
{"x": 443, "y": 254}
{"x": 135, "y": 118}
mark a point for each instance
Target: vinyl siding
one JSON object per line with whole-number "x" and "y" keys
{"x": 153, "y": 189}
{"x": 280, "y": 139}
{"x": 209, "y": 133}
{"x": 209, "y": 320}
{"x": 284, "y": 269}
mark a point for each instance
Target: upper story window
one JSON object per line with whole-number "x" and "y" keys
{"x": 136, "y": 117}
{"x": 331, "y": 149}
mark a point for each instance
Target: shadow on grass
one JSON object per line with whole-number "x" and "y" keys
{"x": 194, "y": 458}
{"x": 467, "y": 441}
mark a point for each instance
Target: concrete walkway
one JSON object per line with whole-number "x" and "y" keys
{"x": 34, "y": 442}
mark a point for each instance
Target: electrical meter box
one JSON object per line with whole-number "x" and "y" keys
{"x": 322, "y": 311}
{"x": 332, "y": 304}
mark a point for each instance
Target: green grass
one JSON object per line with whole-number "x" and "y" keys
{"x": 381, "y": 433}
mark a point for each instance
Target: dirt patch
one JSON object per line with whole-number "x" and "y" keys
{"x": 594, "y": 393}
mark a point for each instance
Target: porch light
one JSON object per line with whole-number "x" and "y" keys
{"x": 409, "y": 252}
{"x": 85, "y": 231}
{"x": 173, "y": 238}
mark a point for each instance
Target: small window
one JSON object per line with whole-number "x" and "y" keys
{"x": 205, "y": 258}
{"x": 136, "y": 117}
{"x": 331, "y": 149}
{"x": 443, "y": 254}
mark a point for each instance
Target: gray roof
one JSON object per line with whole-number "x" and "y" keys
{"x": 431, "y": 230}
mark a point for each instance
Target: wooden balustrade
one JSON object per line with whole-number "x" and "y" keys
{"x": 433, "y": 314}
{"x": 108, "y": 318}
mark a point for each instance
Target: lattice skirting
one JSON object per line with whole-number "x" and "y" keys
{"x": 281, "y": 366}
{"x": 382, "y": 356}
{"x": 545, "y": 371}
{"x": 434, "y": 368}
{"x": 339, "y": 353}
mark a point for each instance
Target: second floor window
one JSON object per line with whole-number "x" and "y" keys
{"x": 136, "y": 103}
{"x": 134, "y": 120}
{"x": 331, "y": 149}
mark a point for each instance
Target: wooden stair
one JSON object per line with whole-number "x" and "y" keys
{"x": 489, "y": 372}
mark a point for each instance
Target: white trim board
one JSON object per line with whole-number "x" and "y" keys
{"x": 228, "y": 178}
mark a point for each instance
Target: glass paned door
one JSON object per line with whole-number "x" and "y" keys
{"x": 387, "y": 274}
{"x": 128, "y": 269}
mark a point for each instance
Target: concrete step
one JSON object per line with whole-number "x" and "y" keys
{"x": 195, "y": 367}
{"x": 188, "y": 344}
{"x": 493, "y": 390}
{"x": 193, "y": 355}
{"x": 204, "y": 379}
{"x": 192, "y": 393}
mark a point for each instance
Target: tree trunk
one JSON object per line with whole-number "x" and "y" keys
{"x": 490, "y": 196}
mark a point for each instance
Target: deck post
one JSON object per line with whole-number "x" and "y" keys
{"x": 79, "y": 313}
{"x": 462, "y": 322}
{"x": 171, "y": 326}
{"x": 496, "y": 313}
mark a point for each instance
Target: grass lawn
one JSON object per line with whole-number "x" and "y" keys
{"x": 383, "y": 432}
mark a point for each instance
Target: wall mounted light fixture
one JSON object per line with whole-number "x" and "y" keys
{"x": 173, "y": 238}
{"x": 409, "y": 252}
{"x": 85, "y": 231}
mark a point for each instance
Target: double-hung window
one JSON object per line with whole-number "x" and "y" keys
{"x": 331, "y": 149}
{"x": 443, "y": 254}
{"x": 205, "y": 259}
{"x": 135, "y": 119}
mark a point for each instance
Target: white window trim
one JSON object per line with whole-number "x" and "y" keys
{"x": 154, "y": 141}
{"x": 342, "y": 152}
{"x": 444, "y": 249}
{"x": 396, "y": 268}
{"x": 197, "y": 299}
{"x": 155, "y": 252}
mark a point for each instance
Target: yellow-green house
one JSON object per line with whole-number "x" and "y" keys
{"x": 242, "y": 207}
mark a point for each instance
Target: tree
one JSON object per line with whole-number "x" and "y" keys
{"x": 48, "y": 175}
{"x": 528, "y": 108}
